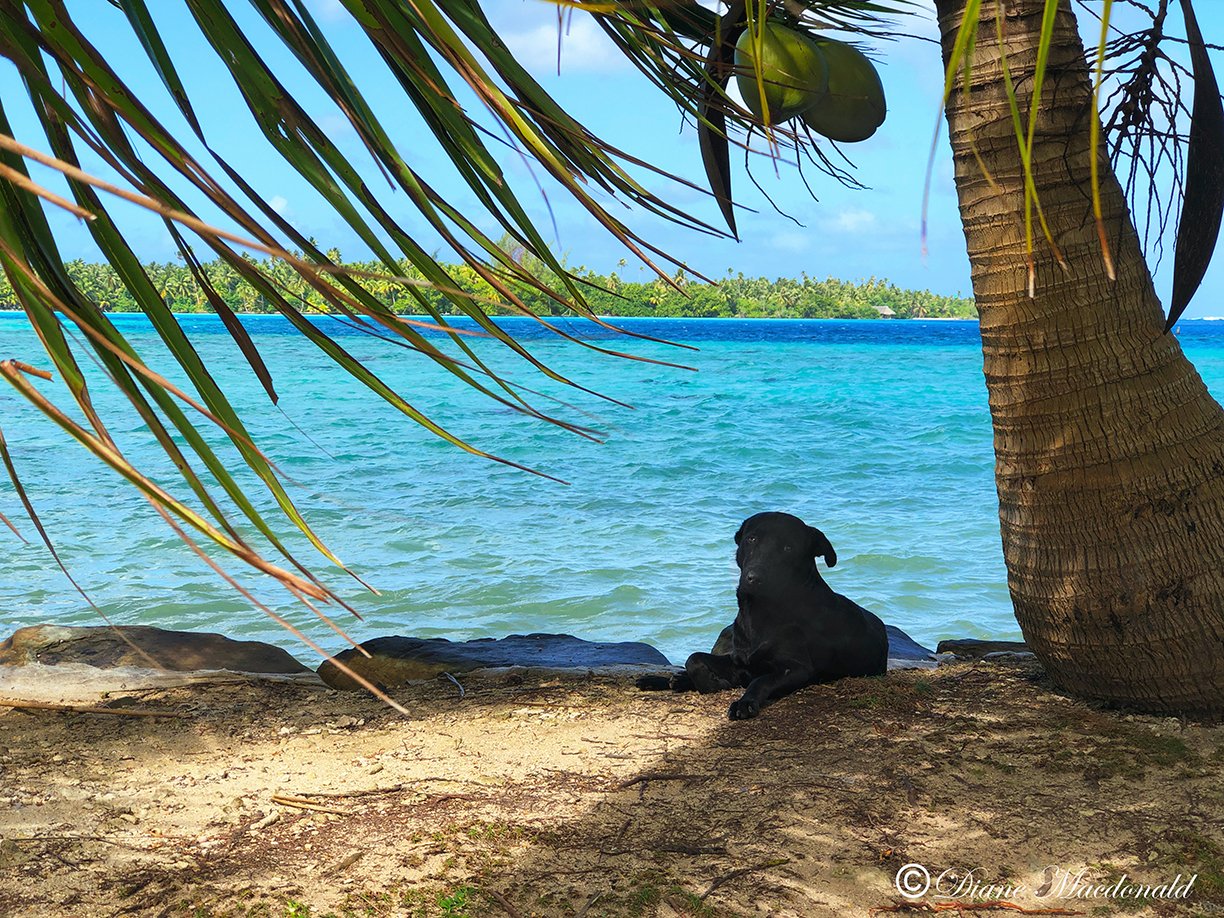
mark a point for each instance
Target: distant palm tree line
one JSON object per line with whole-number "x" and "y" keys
{"x": 734, "y": 296}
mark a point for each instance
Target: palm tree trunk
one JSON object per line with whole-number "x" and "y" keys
{"x": 1109, "y": 451}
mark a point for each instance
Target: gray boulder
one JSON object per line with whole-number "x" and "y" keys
{"x": 903, "y": 651}
{"x": 395, "y": 661}
{"x": 143, "y": 647}
{"x": 906, "y": 653}
{"x": 974, "y": 649}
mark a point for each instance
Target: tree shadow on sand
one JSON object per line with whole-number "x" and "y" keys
{"x": 564, "y": 797}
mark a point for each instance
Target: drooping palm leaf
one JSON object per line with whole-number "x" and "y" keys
{"x": 80, "y": 99}
{"x": 1094, "y": 139}
{"x": 84, "y": 104}
{"x": 712, "y": 128}
{"x": 1137, "y": 88}
{"x": 1203, "y": 201}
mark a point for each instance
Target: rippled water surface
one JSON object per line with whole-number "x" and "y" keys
{"x": 877, "y": 432}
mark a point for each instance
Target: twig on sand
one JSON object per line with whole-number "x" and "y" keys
{"x": 681, "y": 848}
{"x": 590, "y": 902}
{"x": 261, "y": 824}
{"x": 87, "y": 709}
{"x": 503, "y": 902}
{"x": 668, "y": 776}
{"x": 739, "y": 872}
{"x": 372, "y": 792}
{"x": 121, "y": 841}
{"x": 302, "y": 803}
{"x": 397, "y": 788}
{"x": 669, "y": 848}
{"x": 458, "y": 685}
{"x": 971, "y": 907}
{"x": 347, "y": 862}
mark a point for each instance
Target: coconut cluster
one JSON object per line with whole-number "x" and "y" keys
{"x": 831, "y": 85}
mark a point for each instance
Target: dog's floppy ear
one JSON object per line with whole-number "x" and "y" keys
{"x": 821, "y": 547}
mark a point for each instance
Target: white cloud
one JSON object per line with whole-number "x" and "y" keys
{"x": 279, "y": 204}
{"x": 328, "y": 10}
{"x": 336, "y": 125}
{"x": 854, "y": 220}
{"x": 584, "y": 48}
{"x": 791, "y": 241}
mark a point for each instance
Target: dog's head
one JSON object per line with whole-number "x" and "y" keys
{"x": 778, "y": 547}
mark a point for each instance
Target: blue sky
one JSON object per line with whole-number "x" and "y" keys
{"x": 847, "y": 234}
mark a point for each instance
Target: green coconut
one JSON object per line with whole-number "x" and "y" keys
{"x": 854, "y": 105}
{"x": 793, "y": 72}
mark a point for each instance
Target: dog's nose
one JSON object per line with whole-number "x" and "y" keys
{"x": 751, "y": 577}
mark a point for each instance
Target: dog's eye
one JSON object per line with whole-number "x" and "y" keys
{"x": 786, "y": 548}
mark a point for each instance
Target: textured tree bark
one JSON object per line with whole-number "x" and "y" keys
{"x": 1109, "y": 451}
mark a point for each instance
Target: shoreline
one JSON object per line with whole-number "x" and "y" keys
{"x": 278, "y": 638}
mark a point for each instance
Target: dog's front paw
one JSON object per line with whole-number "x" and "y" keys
{"x": 744, "y": 709}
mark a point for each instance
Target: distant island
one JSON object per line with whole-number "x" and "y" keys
{"x": 733, "y": 296}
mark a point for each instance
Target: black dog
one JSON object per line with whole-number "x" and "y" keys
{"x": 792, "y": 630}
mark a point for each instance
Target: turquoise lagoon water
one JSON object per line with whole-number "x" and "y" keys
{"x": 877, "y": 432}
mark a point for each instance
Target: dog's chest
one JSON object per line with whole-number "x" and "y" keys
{"x": 752, "y": 646}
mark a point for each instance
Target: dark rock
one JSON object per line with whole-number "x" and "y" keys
{"x": 973, "y": 649}
{"x": 903, "y": 651}
{"x": 143, "y": 647}
{"x": 1009, "y": 656}
{"x": 396, "y": 661}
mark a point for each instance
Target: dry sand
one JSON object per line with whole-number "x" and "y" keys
{"x": 534, "y": 795}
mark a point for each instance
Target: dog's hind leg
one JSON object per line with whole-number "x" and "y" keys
{"x": 713, "y": 672}
{"x": 657, "y": 682}
{"x": 682, "y": 682}
{"x": 677, "y": 682}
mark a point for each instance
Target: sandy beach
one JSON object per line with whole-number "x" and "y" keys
{"x": 537, "y": 795}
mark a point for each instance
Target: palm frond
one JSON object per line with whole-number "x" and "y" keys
{"x": 686, "y": 51}
{"x": 1203, "y": 201}
{"x": 89, "y": 112}
{"x": 1138, "y": 91}
{"x": 93, "y": 119}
